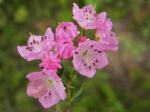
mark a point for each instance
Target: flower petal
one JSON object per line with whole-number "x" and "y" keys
{"x": 49, "y": 99}
{"x": 26, "y": 54}
{"x": 101, "y": 60}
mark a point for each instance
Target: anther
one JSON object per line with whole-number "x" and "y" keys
{"x": 42, "y": 38}
{"x": 99, "y": 51}
{"x": 76, "y": 52}
{"x": 96, "y": 61}
{"x": 89, "y": 67}
{"x": 95, "y": 50}
{"x": 65, "y": 28}
{"x": 92, "y": 45}
{"x": 34, "y": 41}
{"x": 27, "y": 48}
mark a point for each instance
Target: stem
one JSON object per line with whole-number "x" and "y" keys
{"x": 68, "y": 109}
{"x": 58, "y": 109}
{"x": 68, "y": 92}
{"x": 84, "y": 32}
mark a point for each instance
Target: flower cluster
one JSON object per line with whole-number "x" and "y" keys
{"x": 51, "y": 48}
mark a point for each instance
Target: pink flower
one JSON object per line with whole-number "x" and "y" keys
{"x": 47, "y": 87}
{"x": 50, "y": 61}
{"x": 87, "y": 17}
{"x": 88, "y": 57}
{"x": 36, "y": 45}
{"x": 66, "y": 31}
{"x": 106, "y": 36}
{"x": 64, "y": 49}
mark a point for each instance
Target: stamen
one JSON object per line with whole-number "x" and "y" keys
{"x": 34, "y": 41}
{"x": 89, "y": 67}
{"x": 95, "y": 50}
{"x": 76, "y": 52}
{"x": 65, "y": 28}
{"x": 42, "y": 67}
{"x": 92, "y": 45}
{"x": 45, "y": 97}
{"x": 94, "y": 64}
{"x": 84, "y": 64}
{"x": 96, "y": 61}
{"x": 49, "y": 93}
{"x": 42, "y": 38}
{"x": 31, "y": 34}
{"x": 65, "y": 43}
{"x": 99, "y": 51}
{"x": 28, "y": 48}
{"x": 85, "y": 52}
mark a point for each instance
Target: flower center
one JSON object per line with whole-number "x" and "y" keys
{"x": 34, "y": 46}
{"x": 85, "y": 52}
{"x": 49, "y": 82}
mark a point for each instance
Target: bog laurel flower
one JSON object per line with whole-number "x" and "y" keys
{"x": 68, "y": 43}
{"x": 50, "y": 61}
{"x": 37, "y": 45}
{"x": 47, "y": 87}
{"x": 88, "y": 57}
{"x": 106, "y": 37}
{"x": 87, "y": 17}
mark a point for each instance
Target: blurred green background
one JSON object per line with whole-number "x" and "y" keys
{"x": 123, "y": 86}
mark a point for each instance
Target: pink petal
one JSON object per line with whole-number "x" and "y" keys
{"x": 35, "y": 76}
{"x": 101, "y": 17}
{"x": 26, "y": 54}
{"x": 66, "y": 31}
{"x": 36, "y": 88}
{"x": 49, "y": 34}
{"x": 64, "y": 50}
{"x": 49, "y": 99}
{"x": 78, "y": 13}
{"x": 48, "y": 42}
{"x": 102, "y": 60}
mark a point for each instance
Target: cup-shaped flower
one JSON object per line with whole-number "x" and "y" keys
{"x": 50, "y": 61}
{"x": 47, "y": 87}
{"x": 88, "y": 57}
{"x": 106, "y": 36}
{"x": 37, "y": 45}
{"x": 66, "y": 31}
{"x": 87, "y": 16}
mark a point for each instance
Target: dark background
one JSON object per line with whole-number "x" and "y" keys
{"x": 123, "y": 86}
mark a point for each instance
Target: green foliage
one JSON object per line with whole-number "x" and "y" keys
{"x": 21, "y": 15}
